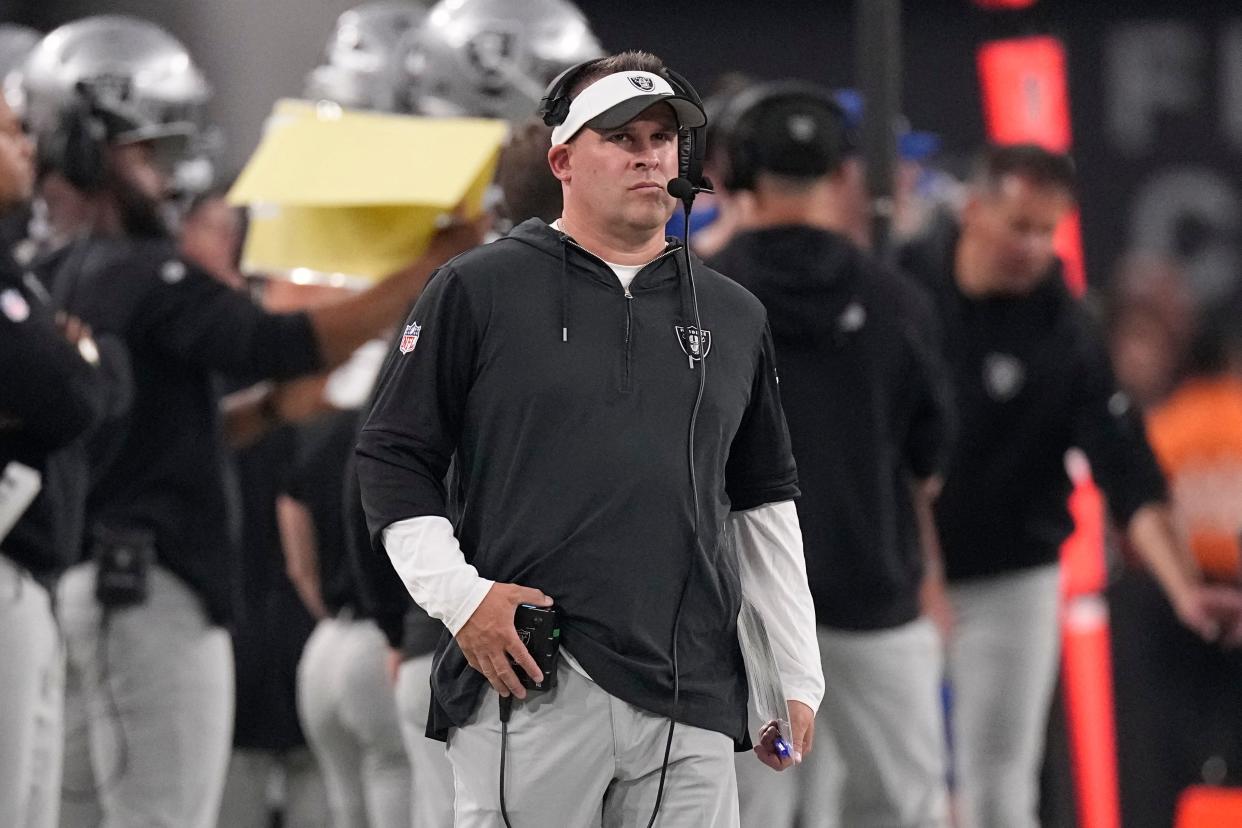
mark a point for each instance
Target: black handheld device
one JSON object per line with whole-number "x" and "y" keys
{"x": 124, "y": 558}
{"x": 540, "y": 631}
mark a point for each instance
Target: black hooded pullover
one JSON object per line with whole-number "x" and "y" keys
{"x": 867, "y": 400}
{"x": 567, "y": 402}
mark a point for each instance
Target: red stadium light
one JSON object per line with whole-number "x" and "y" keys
{"x": 1004, "y": 5}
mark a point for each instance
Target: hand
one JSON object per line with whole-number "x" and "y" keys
{"x": 73, "y": 329}
{"x": 935, "y": 603}
{"x": 296, "y": 401}
{"x": 802, "y": 723}
{"x": 78, "y": 333}
{"x": 456, "y": 237}
{"x": 392, "y": 665}
{"x": 1213, "y": 611}
{"x": 488, "y": 638}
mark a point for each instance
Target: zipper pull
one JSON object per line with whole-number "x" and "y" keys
{"x": 628, "y": 295}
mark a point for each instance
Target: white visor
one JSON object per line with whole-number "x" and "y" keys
{"x": 615, "y": 100}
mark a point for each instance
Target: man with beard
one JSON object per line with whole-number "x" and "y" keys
{"x": 144, "y": 619}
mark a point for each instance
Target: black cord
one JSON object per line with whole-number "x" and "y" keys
{"x": 506, "y": 702}
{"x": 506, "y": 707}
{"x": 114, "y": 711}
{"x": 694, "y": 493}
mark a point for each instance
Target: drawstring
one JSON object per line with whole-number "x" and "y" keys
{"x": 564, "y": 290}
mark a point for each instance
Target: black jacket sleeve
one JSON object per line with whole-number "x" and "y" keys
{"x": 46, "y": 387}
{"x": 380, "y": 591}
{"x": 409, "y": 439}
{"x": 188, "y": 313}
{"x": 1110, "y": 430}
{"x": 761, "y": 466}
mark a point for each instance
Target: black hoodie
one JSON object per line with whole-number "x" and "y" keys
{"x": 567, "y": 401}
{"x": 866, "y": 396}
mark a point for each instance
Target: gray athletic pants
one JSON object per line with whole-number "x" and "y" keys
{"x": 580, "y": 758}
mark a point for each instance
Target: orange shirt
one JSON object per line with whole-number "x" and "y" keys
{"x": 1197, "y": 437}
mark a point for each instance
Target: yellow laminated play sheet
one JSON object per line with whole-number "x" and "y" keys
{"x": 342, "y": 195}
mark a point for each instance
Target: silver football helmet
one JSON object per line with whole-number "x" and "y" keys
{"x": 361, "y": 54}
{"x": 16, "y": 43}
{"x": 135, "y": 76}
{"x": 491, "y": 58}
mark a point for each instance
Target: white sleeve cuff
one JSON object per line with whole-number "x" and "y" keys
{"x": 773, "y": 574}
{"x": 427, "y": 556}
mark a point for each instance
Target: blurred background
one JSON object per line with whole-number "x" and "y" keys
{"x": 1155, "y": 87}
{"x": 1155, "y": 128}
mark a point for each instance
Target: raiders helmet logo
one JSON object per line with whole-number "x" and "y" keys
{"x": 109, "y": 87}
{"x": 801, "y": 128}
{"x": 641, "y": 83}
{"x": 410, "y": 337}
{"x": 1003, "y": 376}
{"x": 694, "y": 343}
{"x": 491, "y": 53}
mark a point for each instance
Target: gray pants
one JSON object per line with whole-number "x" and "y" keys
{"x": 349, "y": 714}
{"x": 32, "y": 671}
{"x": 879, "y": 758}
{"x": 1003, "y": 667}
{"x": 152, "y": 709}
{"x": 259, "y": 782}
{"x": 580, "y": 758}
{"x": 431, "y": 775}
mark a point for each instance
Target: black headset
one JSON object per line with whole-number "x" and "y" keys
{"x": 554, "y": 109}
{"x": 743, "y": 113}
{"x": 78, "y": 149}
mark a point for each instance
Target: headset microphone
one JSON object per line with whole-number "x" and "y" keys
{"x": 681, "y": 188}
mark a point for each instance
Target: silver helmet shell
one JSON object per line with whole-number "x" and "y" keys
{"x": 491, "y": 58}
{"x": 360, "y": 67}
{"x": 135, "y": 75}
{"x": 16, "y": 43}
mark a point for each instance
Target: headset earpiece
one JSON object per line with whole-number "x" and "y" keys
{"x": 554, "y": 108}
{"x": 81, "y": 152}
{"x": 692, "y": 150}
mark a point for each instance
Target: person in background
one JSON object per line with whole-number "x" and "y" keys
{"x": 865, "y": 394}
{"x": 1031, "y": 379}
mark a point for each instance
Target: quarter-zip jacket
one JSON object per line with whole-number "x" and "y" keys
{"x": 566, "y": 400}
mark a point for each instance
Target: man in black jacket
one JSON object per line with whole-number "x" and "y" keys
{"x": 865, "y": 395}
{"x": 56, "y": 385}
{"x": 155, "y": 660}
{"x": 561, "y": 368}
{"x": 1032, "y": 380}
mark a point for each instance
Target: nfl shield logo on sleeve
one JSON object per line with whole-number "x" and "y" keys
{"x": 410, "y": 338}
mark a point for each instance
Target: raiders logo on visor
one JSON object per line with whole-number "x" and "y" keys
{"x": 640, "y": 83}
